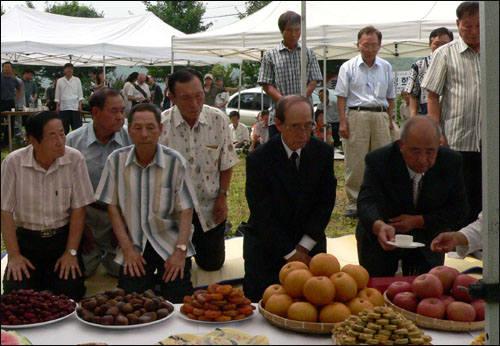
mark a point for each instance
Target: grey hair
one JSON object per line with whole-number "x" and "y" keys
{"x": 408, "y": 124}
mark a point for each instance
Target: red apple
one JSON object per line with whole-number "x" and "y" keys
{"x": 397, "y": 287}
{"x": 431, "y": 307}
{"x": 427, "y": 286}
{"x": 447, "y": 299}
{"x": 461, "y": 312}
{"x": 459, "y": 293}
{"x": 454, "y": 271}
{"x": 478, "y": 305}
{"x": 445, "y": 275}
{"x": 406, "y": 300}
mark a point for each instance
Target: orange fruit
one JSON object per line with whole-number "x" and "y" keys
{"x": 295, "y": 281}
{"x": 289, "y": 267}
{"x": 319, "y": 290}
{"x": 358, "y": 273}
{"x": 324, "y": 264}
{"x": 345, "y": 287}
{"x": 302, "y": 311}
{"x": 334, "y": 313}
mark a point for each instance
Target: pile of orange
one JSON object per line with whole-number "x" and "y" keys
{"x": 321, "y": 292}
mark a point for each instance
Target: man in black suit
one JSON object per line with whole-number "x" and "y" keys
{"x": 290, "y": 190}
{"x": 411, "y": 186}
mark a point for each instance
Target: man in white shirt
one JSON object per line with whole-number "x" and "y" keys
{"x": 239, "y": 131}
{"x": 140, "y": 90}
{"x": 69, "y": 96}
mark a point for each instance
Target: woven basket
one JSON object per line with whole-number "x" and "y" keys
{"x": 296, "y": 326}
{"x": 435, "y": 323}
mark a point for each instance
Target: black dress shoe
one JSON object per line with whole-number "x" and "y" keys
{"x": 351, "y": 213}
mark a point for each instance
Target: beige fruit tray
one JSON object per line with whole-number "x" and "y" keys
{"x": 296, "y": 326}
{"x": 435, "y": 323}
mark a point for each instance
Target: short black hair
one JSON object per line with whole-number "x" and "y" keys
{"x": 28, "y": 70}
{"x": 467, "y": 7}
{"x": 183, "y": 76}
{"x": 288, "y": 17}
{"x": 264, "y": 112}
{"x": 36, "y": 123}
{"x": 7, "y": 62}
{"x": 317, "y": 113}
{"x": 234, "y": 114}
{"x": 68, "y": 65}
{"x": 368, "y": 30}
{"x": 288, "y": 101}
{"x": 141, "y": 107}
{"x": 98, "y": 98}
{"x": 131, "y": 77}
{"x": 439, "y": 32}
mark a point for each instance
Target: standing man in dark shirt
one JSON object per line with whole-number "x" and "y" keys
{"x": 156, "y": 92}
{"x": 212, "y": 90}
{"x": 10, "y": 90}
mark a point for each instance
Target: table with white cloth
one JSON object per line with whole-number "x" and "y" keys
{"x": 71, "y": 331}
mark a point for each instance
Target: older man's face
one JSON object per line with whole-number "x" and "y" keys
{"x": 141, "y": 78}
{"x": 111, "y": 117}
{"x": 189, "y": 98}
{"x": 421, "y": 148}
{"x": 296, "y": 130}
{"x": 52, "y": 145}
{"x": 144, "y": 130}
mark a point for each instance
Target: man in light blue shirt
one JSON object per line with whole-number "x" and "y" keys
{"x": 364, "y": 86}
{"x": 96, "y": 141}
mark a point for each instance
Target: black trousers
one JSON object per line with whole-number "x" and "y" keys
{"x": 71, "y": 118}
{"x": 210, "y": 246}
{"x": 473, "y": 184}
{"x": 43, "y": 253}
{"x": 336, "y": 134}
{"x": 173, "y": 291}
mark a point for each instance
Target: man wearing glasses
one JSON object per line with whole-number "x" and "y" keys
{"x": 290, "y": 189}
{"x": 365, "y": 85}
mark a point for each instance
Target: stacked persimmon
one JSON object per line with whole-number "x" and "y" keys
{"x": 321, "y": 292}
{"x": 218, "y": 303}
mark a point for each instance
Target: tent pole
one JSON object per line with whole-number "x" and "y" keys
{"x": 172, "y": 54}
{"x": 303, "y": 76}
{"x": 104, "y": 65}
{"x": 262, "y": 89}
{"x": 239, "y": 83}
{"x": 325, "y": 110}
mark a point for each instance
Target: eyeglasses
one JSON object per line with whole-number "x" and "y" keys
{"x": 370, "y": 46}
{"x": 297, "y": 128}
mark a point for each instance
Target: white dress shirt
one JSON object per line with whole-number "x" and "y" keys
{"x": 473, "y": 233}
{"x": 239, "y": 134}
{"x": 69, "y": 93}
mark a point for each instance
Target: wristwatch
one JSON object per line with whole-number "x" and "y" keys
{"x": 224, "y": 192}
{"x": 72, "y": 252}
{"x": 181, "y": 247}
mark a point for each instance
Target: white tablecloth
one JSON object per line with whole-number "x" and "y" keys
{"x": 71, "y": 331}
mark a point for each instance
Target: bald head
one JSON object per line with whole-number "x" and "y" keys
{"x": 141, "y": 78}
{"x": 420, "y": 126}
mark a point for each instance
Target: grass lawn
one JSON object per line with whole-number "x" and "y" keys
{"x": 238, "y": 207}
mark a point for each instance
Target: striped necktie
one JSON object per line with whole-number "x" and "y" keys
{"x": 416, "y": 182}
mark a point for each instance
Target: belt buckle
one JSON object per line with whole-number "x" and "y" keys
{"x": 47, "y": 233}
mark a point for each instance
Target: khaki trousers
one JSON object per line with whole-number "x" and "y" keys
{"x": 367, "y": 131}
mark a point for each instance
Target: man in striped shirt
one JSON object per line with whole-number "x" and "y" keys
{"x": 279, "y": 73}
{"x": 150, "y": 203}
{"x": 454, "y": 74}
{"x": 45, "y": 188}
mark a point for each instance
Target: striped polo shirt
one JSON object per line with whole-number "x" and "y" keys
{"x": 455, "y": 74}
{"x": 150, "y": 198}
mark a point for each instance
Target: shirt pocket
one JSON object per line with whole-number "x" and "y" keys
{"x": 381, "y": 90}
{"x": 211, "y": 159}
{"x": 162, "y": 205}
{"x": 63, "y": 200}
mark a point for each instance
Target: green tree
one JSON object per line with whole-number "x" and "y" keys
{"x": 29, "y": 4}
{"x": 73, "y": 9}
{"x": 185, "y": 16}
{"x": 251, "y": 7}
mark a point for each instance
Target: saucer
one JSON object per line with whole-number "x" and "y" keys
{"x": 413, "y": 245}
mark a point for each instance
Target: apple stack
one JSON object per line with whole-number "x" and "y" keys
{"x": 379, "y": 326}
{"x": 321, "y": 292}
{"x": 437, "y": 294}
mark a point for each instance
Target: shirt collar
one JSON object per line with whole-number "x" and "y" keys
{"x": 289, "y": 151}
{"x": 412, "y": 173}
{"x": 91, "y": 136}
{"x": 464, "y": 46}
{"x": 158, "y": 159}
{"x": 361, "y": 61}
{"x": 28, "y": 160}
{"x": 282, "y": 47}
{"x": 178, "y": 119}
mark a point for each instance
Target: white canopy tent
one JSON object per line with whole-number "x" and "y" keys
{"x": 32, "y": 37}
{"x": 405, "y": 26}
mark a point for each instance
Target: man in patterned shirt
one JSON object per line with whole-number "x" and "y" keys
{"x": 150, "y": 203}
{"x": 201, "y": 134}
{"x": 454, "y": 74}
{"x": 279, "y": 72}
{"x": 418, "y": 96}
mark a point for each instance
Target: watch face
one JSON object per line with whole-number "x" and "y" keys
{"x": 72, "y": 252}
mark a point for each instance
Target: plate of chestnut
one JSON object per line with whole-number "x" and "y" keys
{"x": 117, "y": 310}
{"x": 29, "y": 308}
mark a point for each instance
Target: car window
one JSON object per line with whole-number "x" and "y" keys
{"x": 247, "y": 102}
{"x": 267, "y": 102}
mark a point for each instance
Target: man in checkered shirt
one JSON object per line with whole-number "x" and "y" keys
{"x": 279, "y": 72}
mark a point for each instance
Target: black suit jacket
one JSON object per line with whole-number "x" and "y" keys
{"x": 286, "y": 205}
{"x": 387, "y": 192}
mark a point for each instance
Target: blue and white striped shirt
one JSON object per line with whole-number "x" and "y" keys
{"x": 150, "y": 198}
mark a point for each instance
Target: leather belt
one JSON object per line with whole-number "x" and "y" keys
{"x": 99, "y": 206}
{"x": 46, "y": 233}
{"x": 370, "y": 109}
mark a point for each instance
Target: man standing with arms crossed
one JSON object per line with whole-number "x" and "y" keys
{"x": 365, "y": 86}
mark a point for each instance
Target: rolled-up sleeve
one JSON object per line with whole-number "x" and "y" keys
{"x": 266, "y": 71}
{"x": 313, "y": 70}
{"x": 342, "y": 87}
{"x": 473, "y": 233}
{"x": 435, "y": 78}
{"x": 107, "y": 190}
{"x": 82, "y": 190}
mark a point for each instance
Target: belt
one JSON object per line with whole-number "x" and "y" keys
{"x": 370, "y": 109}
{"x": 46, "y": 233}
{"x": 99, "y": 206}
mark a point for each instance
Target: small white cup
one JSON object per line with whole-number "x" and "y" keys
{"x": 403, "y": 239}
{"x": 12, "y": 109}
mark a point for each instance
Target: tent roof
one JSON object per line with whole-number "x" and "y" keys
{"x": 405, "y": 26}
{"x": 35, "y": 37}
